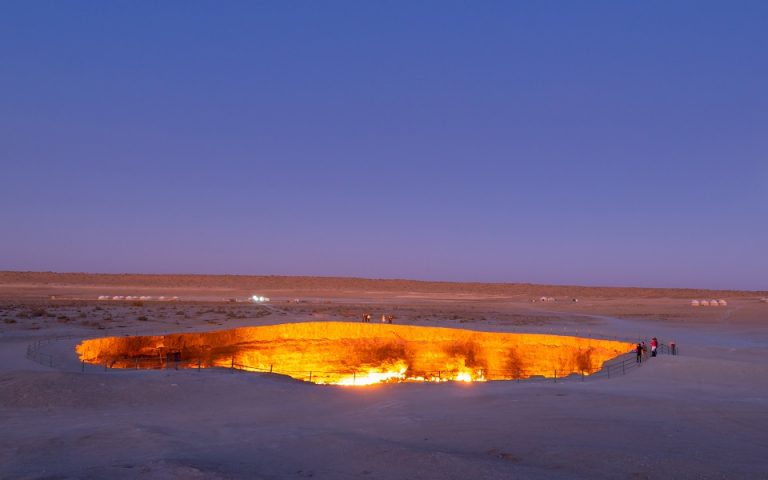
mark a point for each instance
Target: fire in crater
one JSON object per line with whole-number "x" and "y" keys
{"x": 361, "y": 353}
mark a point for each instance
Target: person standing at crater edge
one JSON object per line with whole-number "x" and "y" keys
{"x": 639, "y": 351}
{"x": 654, "y": 345}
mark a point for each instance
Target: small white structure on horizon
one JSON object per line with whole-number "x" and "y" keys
{"x": 137, "y": 297}
{"x": 709, "y": 303}
{"x": 259, "y": 299}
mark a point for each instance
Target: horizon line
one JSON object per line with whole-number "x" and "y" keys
{"x": 378, "y": 279}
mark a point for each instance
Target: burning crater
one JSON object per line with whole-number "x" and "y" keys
{"x": 361, "y": 354}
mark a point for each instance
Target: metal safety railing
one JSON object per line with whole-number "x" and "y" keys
{"x": 175, "y": 360}
{"x": 37, "y": 353}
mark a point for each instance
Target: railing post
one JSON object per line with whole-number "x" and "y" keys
{"x": 555, "y": 375}
{"x": 354, "y": 377}
{"x": 582, "y": 375}
{"x": 310, "y": 375}
{"x": 232, "y": 365}
{"x": 82, "y": 366}
{"x": 199, "y": 363}
{"x": 270, "y": 368}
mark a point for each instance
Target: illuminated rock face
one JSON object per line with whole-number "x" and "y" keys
{"x": 361, "y": 353}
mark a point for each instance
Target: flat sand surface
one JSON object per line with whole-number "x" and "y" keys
{"x": 701, "y": 414}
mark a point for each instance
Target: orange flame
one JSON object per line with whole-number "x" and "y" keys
{"x": 361, "y": 353}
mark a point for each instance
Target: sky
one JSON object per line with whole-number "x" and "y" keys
{"x": 589, "y": 143}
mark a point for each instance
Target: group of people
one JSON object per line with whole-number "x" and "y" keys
{"x": 384, "y": 318}
{"x": 641, "y": 350}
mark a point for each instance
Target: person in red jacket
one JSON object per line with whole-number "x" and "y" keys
{"x": 654, "y": 346}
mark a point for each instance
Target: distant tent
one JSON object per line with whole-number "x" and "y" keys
{"x": 704, "y": 303}
{"x": 722, "y": 303}
{"x": 695, "y": 303}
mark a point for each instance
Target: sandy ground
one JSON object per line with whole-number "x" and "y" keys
{"x": 702, "y": 414}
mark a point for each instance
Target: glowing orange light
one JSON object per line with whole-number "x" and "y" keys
{"x": 361, "y": 353}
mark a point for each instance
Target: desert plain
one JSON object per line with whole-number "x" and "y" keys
{"x": 700, "y": 414}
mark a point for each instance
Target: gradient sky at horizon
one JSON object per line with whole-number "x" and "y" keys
{"x": 591, "y": 143}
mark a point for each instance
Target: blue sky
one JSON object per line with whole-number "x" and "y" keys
{"x": 594, "y": 143}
